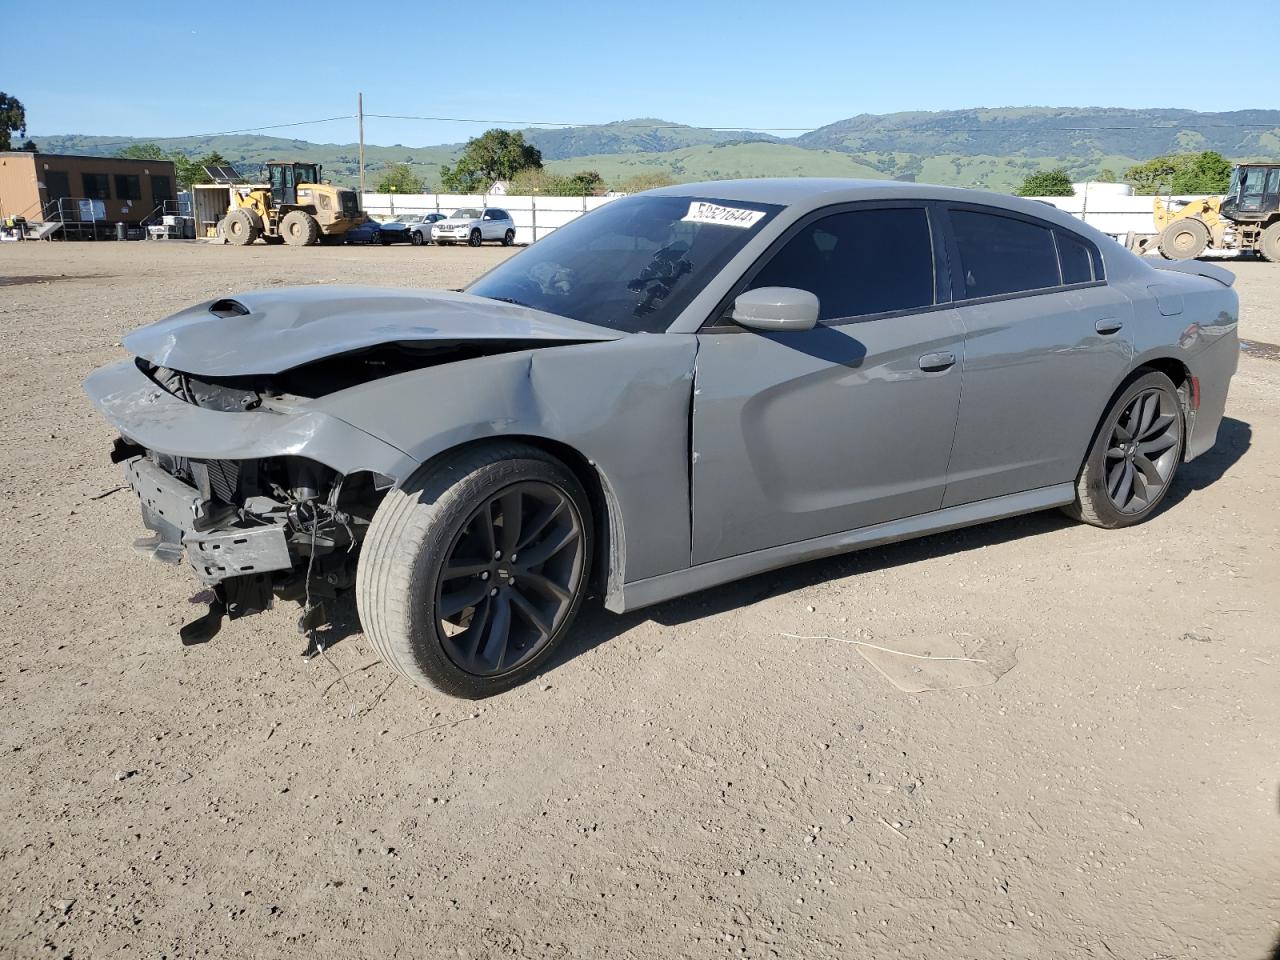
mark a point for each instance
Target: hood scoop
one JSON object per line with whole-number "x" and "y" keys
{"x": 228, "y": 308}
{"x": 267, "y": 332}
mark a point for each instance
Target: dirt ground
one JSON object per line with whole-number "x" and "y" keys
{"x": 686, "y": 781}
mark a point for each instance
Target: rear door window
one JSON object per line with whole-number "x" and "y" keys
{"x": 1003, "y": 255}
{"x": 858, "y": 263}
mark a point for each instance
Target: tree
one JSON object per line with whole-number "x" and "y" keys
{"x": 1047, "y": 183}
{"x": 192, "y": 171}
{"x": 1106, "y": 175}
{"x": 1207, "y": 172}
{"x": 496, "y": 154}
{"x": 646, "y": 181}
{"x": 13, "y": 119}
{"x": 143, "y": 151}
{"x": 533, "y": 181}
{"x": 30, "y": 146}
{"x": 400, "y": 178}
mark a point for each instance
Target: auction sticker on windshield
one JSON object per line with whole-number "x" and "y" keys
{"x": 702, "y": 212}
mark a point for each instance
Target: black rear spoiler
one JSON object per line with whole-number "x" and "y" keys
{"x": 1196, "y": 268}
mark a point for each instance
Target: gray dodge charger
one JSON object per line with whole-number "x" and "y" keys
{"x": 681, "y": 388}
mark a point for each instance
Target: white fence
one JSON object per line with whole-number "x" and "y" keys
{"x": 534, "y": 217}
{"x": 1113, "y": 214}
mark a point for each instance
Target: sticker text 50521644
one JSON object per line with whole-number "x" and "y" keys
{"x": 702, "y": 212}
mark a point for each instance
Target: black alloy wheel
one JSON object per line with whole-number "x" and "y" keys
{"x": 510, "y": 578}
{"x": 1143, "y": 451}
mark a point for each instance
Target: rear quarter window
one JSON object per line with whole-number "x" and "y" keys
{"x": 1003, "y": 255}
{"x": 1075, "y": 254}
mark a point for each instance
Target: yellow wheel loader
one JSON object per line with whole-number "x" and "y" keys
{"x": 1247, "y": 218}
{"x": 293, "y": 207}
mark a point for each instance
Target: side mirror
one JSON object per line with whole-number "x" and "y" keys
{"x": 776, "y": 308}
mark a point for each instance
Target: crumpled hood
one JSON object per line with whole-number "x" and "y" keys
{"x": 269, "y": 331}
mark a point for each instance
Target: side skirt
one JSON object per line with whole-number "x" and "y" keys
{"x": 642, "y": 593}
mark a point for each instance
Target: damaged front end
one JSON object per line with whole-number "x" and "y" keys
{"x": 236, "y": 426}
{"x": 262, "y": 496}
{"x": 253, "y": 530}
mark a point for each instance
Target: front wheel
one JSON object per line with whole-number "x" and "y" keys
{"x": 475, "y": 238}
{"x": 1269, "y": 246}
{"x": 416, "y": 239}
{"x": 299, "y": 229}
{"x": 1134, "y": 456}
{"x": 1184, "y": 239}
{"x": 473, "y": 572}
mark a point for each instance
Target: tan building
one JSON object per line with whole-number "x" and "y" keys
{"x": 115, "y": 190}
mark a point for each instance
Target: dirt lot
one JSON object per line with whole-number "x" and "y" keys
{"x": 686, "y": 781}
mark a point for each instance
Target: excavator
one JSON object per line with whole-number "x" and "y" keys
{"x": 295, "y": 206}
{"x": 1247, "y": 218}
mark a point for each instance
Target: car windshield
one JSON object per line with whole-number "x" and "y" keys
{"x": 465, "y": 215}
{"x": 409, "y": 218}
{"x": 632, "y": 264}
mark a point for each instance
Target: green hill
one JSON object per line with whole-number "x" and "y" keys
{"x": 992, "y": 148}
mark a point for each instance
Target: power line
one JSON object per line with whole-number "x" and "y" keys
{"x": 995, "y": 127}
{"x": 555, "y": 123}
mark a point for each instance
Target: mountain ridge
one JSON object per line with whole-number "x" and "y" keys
{"x": 980, "y": 146}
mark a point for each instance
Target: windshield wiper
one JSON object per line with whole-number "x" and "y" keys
{"x": 511, "y": 300}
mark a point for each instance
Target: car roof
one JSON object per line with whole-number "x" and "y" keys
{"x": 808, "y": 193}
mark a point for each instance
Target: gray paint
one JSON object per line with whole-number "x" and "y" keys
{"x": 289, "y": 326}
{"x": 804, "y": 443}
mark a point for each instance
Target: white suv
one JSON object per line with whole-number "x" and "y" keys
{"x": 474, "y": 226}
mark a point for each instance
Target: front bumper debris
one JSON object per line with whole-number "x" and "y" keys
{"x": 184, "y": 522}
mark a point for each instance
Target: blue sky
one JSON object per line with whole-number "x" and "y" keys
{"x": 164, "y": 69}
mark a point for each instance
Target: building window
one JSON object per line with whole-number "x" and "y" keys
{"x": 128, "y": 187}
{"x": 97, "y": 186}
{"x": 161, "y": 189}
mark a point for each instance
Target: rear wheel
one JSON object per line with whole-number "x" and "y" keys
{"x": 475, "y": 238}
{"x": 473, "y": 572}
{"x": 1134, "y": 456}
{"x": 1184, "y": 239}
{"x": 240, "y": 228}
{"x": 299, "y": 228}
{"x": 508, "y": 238}
{"x": 1269, "y": 246}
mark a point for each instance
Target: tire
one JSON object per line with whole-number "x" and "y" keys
{"x": 1184, "y": 239}
{"x": 299, "y": 228}
{"x": 1117, "y": 469}
{"x": 384, "y": 239}
{"x": 416, "y": 238}
{"x": 1269, "y": 246}
{"x": 508, "y": 238}
{"x": 240, "y": 228}
{"x": 437, "y": 523}
{"x": 475, "y": 239}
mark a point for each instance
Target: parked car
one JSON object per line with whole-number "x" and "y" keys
{"x": 681, "y": 388}
{"x": 368, "y": 232}
{"x": 420, "y": 226}
{"x": 474, "y": 226}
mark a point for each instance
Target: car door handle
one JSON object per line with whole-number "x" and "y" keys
{"x": 1108, "y": 325}
{"x": 933, "y": 362}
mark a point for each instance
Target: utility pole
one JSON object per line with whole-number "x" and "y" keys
{"x": 360, "y": 111}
